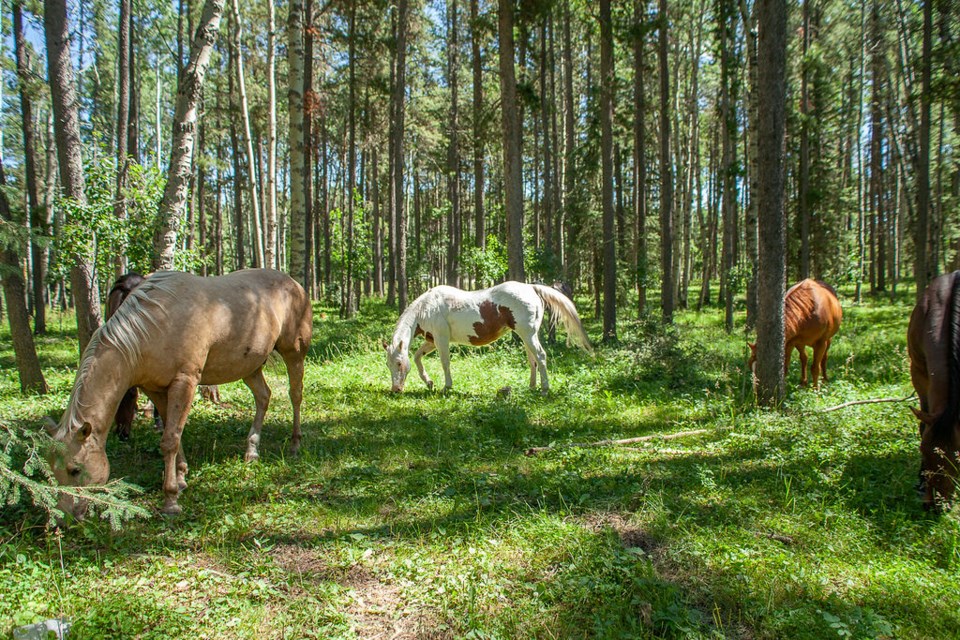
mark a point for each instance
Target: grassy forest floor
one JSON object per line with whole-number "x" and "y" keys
{"x": 420, "y": 516}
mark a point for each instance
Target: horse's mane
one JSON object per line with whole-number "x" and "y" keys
{"x": 945, "y": 422}
{"x": 416, "y": 310}
{"x": 125, "y": 331}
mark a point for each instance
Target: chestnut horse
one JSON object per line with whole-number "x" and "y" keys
{"x": 176, "y": 331}
{"x": 811, "y": 315}
{"x": 933, "y": 342}
{"x": 445, "y": 315}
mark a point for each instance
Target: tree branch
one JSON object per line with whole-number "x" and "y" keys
{"x": 606, "y": 443}
{"x": 871, "y": 401}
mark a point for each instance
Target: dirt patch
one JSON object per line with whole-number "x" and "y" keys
{"x": 630, "y": 536}
{"x": 377, "y": 605}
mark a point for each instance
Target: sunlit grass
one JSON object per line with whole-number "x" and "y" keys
{"x": 420, "y": 512}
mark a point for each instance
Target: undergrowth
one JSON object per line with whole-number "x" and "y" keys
{"x": 420, "y": 513}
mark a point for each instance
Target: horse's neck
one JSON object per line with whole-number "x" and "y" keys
{"x": 407, "y": 325}
{"x": 103, "y": 378}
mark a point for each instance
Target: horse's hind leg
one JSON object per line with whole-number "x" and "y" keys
{"x": 261, "y": 395}
{"x": 532, "y": 361}
{"x": 823, "y": 361}
{"x": 532, "y": 342}
{"x": 819, "y": 361}
{"x": 295, "y": 375}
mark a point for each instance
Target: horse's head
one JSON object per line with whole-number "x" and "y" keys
{"x": 939, "y": 460}
{"x": 82, "y": 462}
{"x": 399, "y": 364}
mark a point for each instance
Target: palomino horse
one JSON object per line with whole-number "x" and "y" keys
{"x": 933, "y": 342}
{"x": 811, "y": 315}
{"x": 176, "y": 331}
{"x": 445, "y": 315}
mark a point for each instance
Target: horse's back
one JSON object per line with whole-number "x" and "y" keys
{"x": 932, "y": 323}
{"x": 225, "y": 326}
{"x": 812, "y": 311}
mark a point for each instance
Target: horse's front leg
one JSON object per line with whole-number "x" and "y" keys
{"x": 425, "y": 348}
{"x": 819, "y": 353}
{"x": 295, "y": 376}
{"x": 261, "y": 395}
{"x": 443, "y": 347}
{"x": 179, "y": 396}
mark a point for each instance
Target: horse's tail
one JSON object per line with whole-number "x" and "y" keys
{"x": 562, "y": 308}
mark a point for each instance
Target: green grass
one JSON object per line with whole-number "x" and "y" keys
{"x": 419, "y": 513}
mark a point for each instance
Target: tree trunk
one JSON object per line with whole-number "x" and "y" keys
{"x": 309, "y": 108}
{"x": 771, "y": 125}
{"x": 750, "y": 221}
{"x": 86, "y": 294}
{"x": 512, "y": 160}
{"x": 728, "y": 165}
{"x": 480, "y": 237}
{"x": 399, "y": 94}
{"x": 189, "y": 91}
{"x": 247, "y": 136}
{"x": 924, "y": 271}
{"x": 804, "y": 178}
{"x": 123, "y": 122}
{"x": 24, "y": 351}
{"x": 270, "y": 232}
{"x": 37, "y": 213}
{"x": 453, "y": 153}
{"x": 606, "y": 180}
{"x": 666, "y": 173}
{"x": 639, "y": 151}
{"x": 298, "y": 163}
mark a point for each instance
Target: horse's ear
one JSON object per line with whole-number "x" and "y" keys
{"x": 385, "y": 345}
{"x": 402, "y": 347}
{"x": 86, "y": 430}
{"x": 49, "y": 426}
{"x": 923, "y": 416}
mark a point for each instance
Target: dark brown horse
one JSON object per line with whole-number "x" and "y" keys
{"x": 811, "y": 315}
{"x": 127, "y": 410}
{"x": 933, "y": 342}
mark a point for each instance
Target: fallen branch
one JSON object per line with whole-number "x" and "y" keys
{"x": 871, "y": 401}
{"x": 532, "y": 451}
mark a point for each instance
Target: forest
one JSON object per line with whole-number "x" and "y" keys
{"x": 674, "y": 166}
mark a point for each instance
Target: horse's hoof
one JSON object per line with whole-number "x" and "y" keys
{"x": 171, "y": 510}
{"x": 295, "y": 449}
{"x": 429, "y": 385}
{"x": 251, "y": 457}
{"x": 544, "y": 392}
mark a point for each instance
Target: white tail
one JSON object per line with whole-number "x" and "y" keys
{"x": 562, "y": 307}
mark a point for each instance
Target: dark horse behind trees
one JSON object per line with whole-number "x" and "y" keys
{"x": 173, "y": 332}
{"x": 933, "y": 342}
{"x": 811, "y": 317}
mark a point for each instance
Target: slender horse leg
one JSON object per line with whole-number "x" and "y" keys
{"x": 159, "y": 401}
{"x": 295, "y": 375}
{"x": 443, "y": 347}
{"x": 425, "y": 348}
{"x": 261, "y": 395}
{"x": 179, "y": 396}
{"x": 541, "y": 356}
{"x": 803, "y": 364}
{"x": 819, "y": 353}
{"x": 532, "y": 361}
{"x": 823, "y": 362}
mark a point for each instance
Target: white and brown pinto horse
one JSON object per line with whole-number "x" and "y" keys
{"x": 445, "y": 315}
{"x": 173, "y": 332}
{"x": 933, "y": 342}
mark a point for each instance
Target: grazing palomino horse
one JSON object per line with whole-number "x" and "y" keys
{"x": 933, "y": 342}
{"x": 811, "y": 315}
{"x": 445, "y": 315}
{"x": 176, "y": 331}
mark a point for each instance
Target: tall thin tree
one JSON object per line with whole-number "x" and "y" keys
{"x": 666, "y": 171}
{"x": 607, "y": 80}
{"x": 512, "y": 159}
{"x": 86, "y": 294}
{"x": 771, "y": 125}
